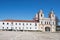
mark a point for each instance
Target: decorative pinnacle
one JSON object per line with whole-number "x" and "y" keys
{"x": 40, "y": 11}
{"x": 52, "y": 11}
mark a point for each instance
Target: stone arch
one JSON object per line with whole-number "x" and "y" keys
{"x": 47, "y": 29}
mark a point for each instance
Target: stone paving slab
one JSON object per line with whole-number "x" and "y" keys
{"x": 17, "y": 35}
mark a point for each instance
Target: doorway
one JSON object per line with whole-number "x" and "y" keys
{"x": 47, "y": 29}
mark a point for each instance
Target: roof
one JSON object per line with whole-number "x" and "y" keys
{"x": 19, "y": 20}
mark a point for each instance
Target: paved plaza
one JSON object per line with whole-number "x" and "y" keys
{"x": 17, "y": 35}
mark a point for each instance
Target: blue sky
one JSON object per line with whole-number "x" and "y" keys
{"x": 26, "y": 9}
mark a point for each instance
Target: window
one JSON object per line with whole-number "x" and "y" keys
{"x": 11, "y": 27}
{"x": 7, "y": 23}
{"x": 15, "y": 27}
{"x": 26, "y": 27}
{"x": 19, "y": 23}
{"x": 30, "y": 23}
{"x": 35, "y": 24}
{"x": 41, "y": 15}
{"x": 30, "y": 27}
{"x": 2, "y": 27}
{"x": 23, "y": 24}
{"x": 12, "y": 23}
{"x": 19, "y": 28}
{"x": 35, "y": 27}
{"x": 53, "y": 23}
{"x": 26, "y": 23}
{"x": 15, "y": 23}
{"x": 45, "y": 22}
{"x": 23, "y": 28}
{"x": 3, "y": 23}
{"x": 7, "y": 27}
{"x": 49, "y": 22}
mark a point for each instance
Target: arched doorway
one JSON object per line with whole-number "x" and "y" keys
{"x": 47, "y": 29}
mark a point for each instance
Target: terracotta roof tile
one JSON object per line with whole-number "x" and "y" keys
{"x": 18, "y": 20}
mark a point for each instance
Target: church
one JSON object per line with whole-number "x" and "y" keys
{"x": 38, "y": 23}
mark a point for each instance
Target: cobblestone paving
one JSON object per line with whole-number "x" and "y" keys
{"x": 17, "y": 35}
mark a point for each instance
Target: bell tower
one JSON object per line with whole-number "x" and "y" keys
{"x": 36, "y": 17}
{"x": 52, "y": 15}
{"x": 53, "y": 22}
{"x": 41, "y": 15}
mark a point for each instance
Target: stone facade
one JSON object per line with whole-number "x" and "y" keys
{"x": 38, "y": 23}
{"x": 47, "y": 24}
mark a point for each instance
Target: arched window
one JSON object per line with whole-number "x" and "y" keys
{"x": 15, "y": 27}
{"x": 26, "y": 23}
{"x": 53, "y": 23}
{"x": 7, "y": 27}
{"x": 45, "y": 22}
{"x": 3, "y": 23}
{"x": 41, "y": 15}
{"x": 30, "y": 23}
{"x": 2, "y": 27}
{"x": 49, "y": 22}
{"x": 15, "y": 23}
{"x": 19, "y": 27}
{"x": 30, "y": 27}
{"x": 23, "y": 24}
{"x": 22, "y": 27}
{"x": 11, "y": 23}
{"x": 11, "y": 27}
{"x": 19, "y": 23}
{"x": 7, "y": 23}
{"x": 35, "y": 27}
{"x": 26, "y": 27}
{"x": 35, "y": 24}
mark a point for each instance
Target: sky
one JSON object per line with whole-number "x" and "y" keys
{"x": 26, "y": 9}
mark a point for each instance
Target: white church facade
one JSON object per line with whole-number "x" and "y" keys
{"x": 38, "y": 23}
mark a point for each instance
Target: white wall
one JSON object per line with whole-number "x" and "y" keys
{"x": 21, "y": 26}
